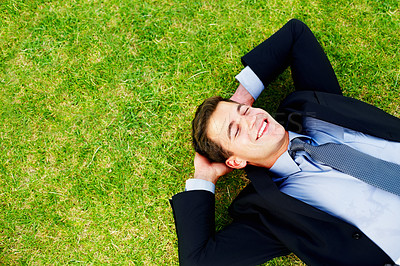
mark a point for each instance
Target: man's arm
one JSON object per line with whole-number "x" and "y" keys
{"x": 244, "y": 242}
{"x": 293, "y": 45}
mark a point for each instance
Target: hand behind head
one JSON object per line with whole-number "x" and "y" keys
{"x": 210, "y": 171}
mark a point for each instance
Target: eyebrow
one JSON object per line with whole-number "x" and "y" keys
{"x": 231, "y": 123}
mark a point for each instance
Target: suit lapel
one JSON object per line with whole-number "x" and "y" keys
{"x": 339, "y": 110}
{"x": 278, "y": 201}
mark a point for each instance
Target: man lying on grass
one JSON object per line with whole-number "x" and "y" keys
{"x": 325, "y": 182}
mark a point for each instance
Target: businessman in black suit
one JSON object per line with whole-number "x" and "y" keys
{"x": 285, "y": 207}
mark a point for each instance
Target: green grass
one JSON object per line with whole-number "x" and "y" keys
{"x": 96, "y": 99}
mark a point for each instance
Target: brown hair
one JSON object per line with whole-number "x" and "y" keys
{"x": 201, "y": 142}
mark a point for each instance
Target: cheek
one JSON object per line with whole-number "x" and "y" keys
{"x": 243, "y": 144}
{"x": 278, "y": 129}
{"x": 282, "y": 130}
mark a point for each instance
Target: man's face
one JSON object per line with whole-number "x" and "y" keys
{"x": 251, "y": 134}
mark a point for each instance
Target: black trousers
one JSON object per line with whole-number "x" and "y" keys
{"x": 294, "y": 45}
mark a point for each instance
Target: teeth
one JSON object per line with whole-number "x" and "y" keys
{"x": 262, "y": 129}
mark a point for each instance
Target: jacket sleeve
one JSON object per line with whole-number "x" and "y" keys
{"x": 243, "y": 242}
{"x": 293, "y": 45}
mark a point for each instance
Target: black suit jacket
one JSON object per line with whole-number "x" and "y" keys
{"x": 268, "y": 223}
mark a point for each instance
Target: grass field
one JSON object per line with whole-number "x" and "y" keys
{"x": 96, "y": 99}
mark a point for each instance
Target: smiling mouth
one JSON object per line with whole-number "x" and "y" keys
{"x": 262, "y": 129}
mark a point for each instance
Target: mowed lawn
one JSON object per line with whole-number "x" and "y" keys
{"x": 96, "y": 100}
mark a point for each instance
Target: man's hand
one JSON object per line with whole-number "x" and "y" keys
{"x": 204, "y": 169}
{"x": 242, "y": 96}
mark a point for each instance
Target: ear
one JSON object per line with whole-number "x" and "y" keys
{"x": 236, "y": 163}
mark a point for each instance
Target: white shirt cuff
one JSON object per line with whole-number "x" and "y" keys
{"x": 199, "y": 184}
{"x": 251, "y": 82}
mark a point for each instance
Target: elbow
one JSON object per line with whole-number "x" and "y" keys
{"x": 196, "y": 259}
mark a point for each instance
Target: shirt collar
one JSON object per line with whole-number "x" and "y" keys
{"x": 285, "y": 165}
{"x": 293, "y": 135}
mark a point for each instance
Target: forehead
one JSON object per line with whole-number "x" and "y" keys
{"x": 220, "y": 120}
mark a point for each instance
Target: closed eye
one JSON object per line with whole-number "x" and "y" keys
{"x": 245, "y": 110}
{"x": 230, "y": 127}
{"x": 237, "y": 132}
